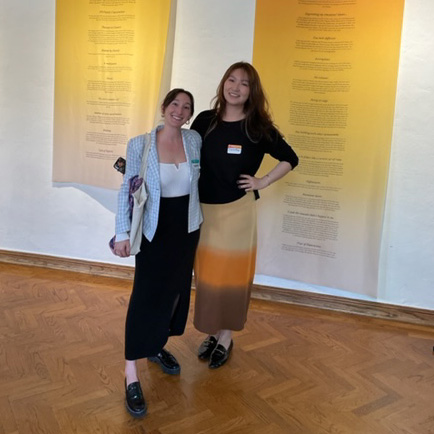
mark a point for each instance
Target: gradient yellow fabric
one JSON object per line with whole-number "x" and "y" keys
{"x": 330, "y": 71}
{"x": 109, "y": 68}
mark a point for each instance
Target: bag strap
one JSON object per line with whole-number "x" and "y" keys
{"x": 146, "y": 147}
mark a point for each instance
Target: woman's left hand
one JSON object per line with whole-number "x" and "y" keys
{"x": 249, "y": 183}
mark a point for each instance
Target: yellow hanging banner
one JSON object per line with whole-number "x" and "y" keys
{"x": 330, "y": 71}
{"x": 108, "y": 73}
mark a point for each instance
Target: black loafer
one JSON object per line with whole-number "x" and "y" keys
{"x": 135, "y": 402}
{"x": 206, "y": 348}
{"x": 167, "y": 361}
{"x": 220, "y": 355}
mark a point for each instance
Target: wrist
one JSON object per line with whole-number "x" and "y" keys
{"x": 267, "y": 180}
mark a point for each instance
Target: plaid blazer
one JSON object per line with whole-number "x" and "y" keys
{"x": 192, "y": 144}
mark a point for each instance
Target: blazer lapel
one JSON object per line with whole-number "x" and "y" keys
{"x": 186, "y": 146}
{"x": 153, "y": 170}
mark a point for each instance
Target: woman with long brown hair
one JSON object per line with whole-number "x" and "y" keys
{"x": 236, "y": 135}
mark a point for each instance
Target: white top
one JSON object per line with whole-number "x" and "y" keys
{"x": 174, "y": 180}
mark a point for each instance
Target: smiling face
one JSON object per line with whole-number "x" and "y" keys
{"x": 178, "y": 111}
{"x": 236, "y": 88}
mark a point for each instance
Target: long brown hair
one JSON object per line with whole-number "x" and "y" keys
{"x": 258, "y": 122}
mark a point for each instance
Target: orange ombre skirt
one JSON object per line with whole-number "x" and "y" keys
{"x": 225, "y": 265}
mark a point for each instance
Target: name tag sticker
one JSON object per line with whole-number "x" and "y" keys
{"x": 234, "y": 149}
{"x": 195, "y": 163}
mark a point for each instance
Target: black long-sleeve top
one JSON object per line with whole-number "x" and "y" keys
{"x": 227, "y": 153}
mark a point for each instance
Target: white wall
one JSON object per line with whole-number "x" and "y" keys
{"x": 77, "y": 221}
{"x": 407, "y": 255}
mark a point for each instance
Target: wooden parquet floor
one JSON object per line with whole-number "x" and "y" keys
{"x": 292, "y": 370}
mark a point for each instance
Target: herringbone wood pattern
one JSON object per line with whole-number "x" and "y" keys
{"x": 293, "y": 370}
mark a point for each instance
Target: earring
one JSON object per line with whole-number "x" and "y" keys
{"x": 187, "y": 122}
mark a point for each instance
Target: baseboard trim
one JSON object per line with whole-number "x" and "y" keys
{"x": 67, "y": 264}
{"x": 371, "y": 309}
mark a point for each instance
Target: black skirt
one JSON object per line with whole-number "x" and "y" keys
{"x": 160, "y": 299}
